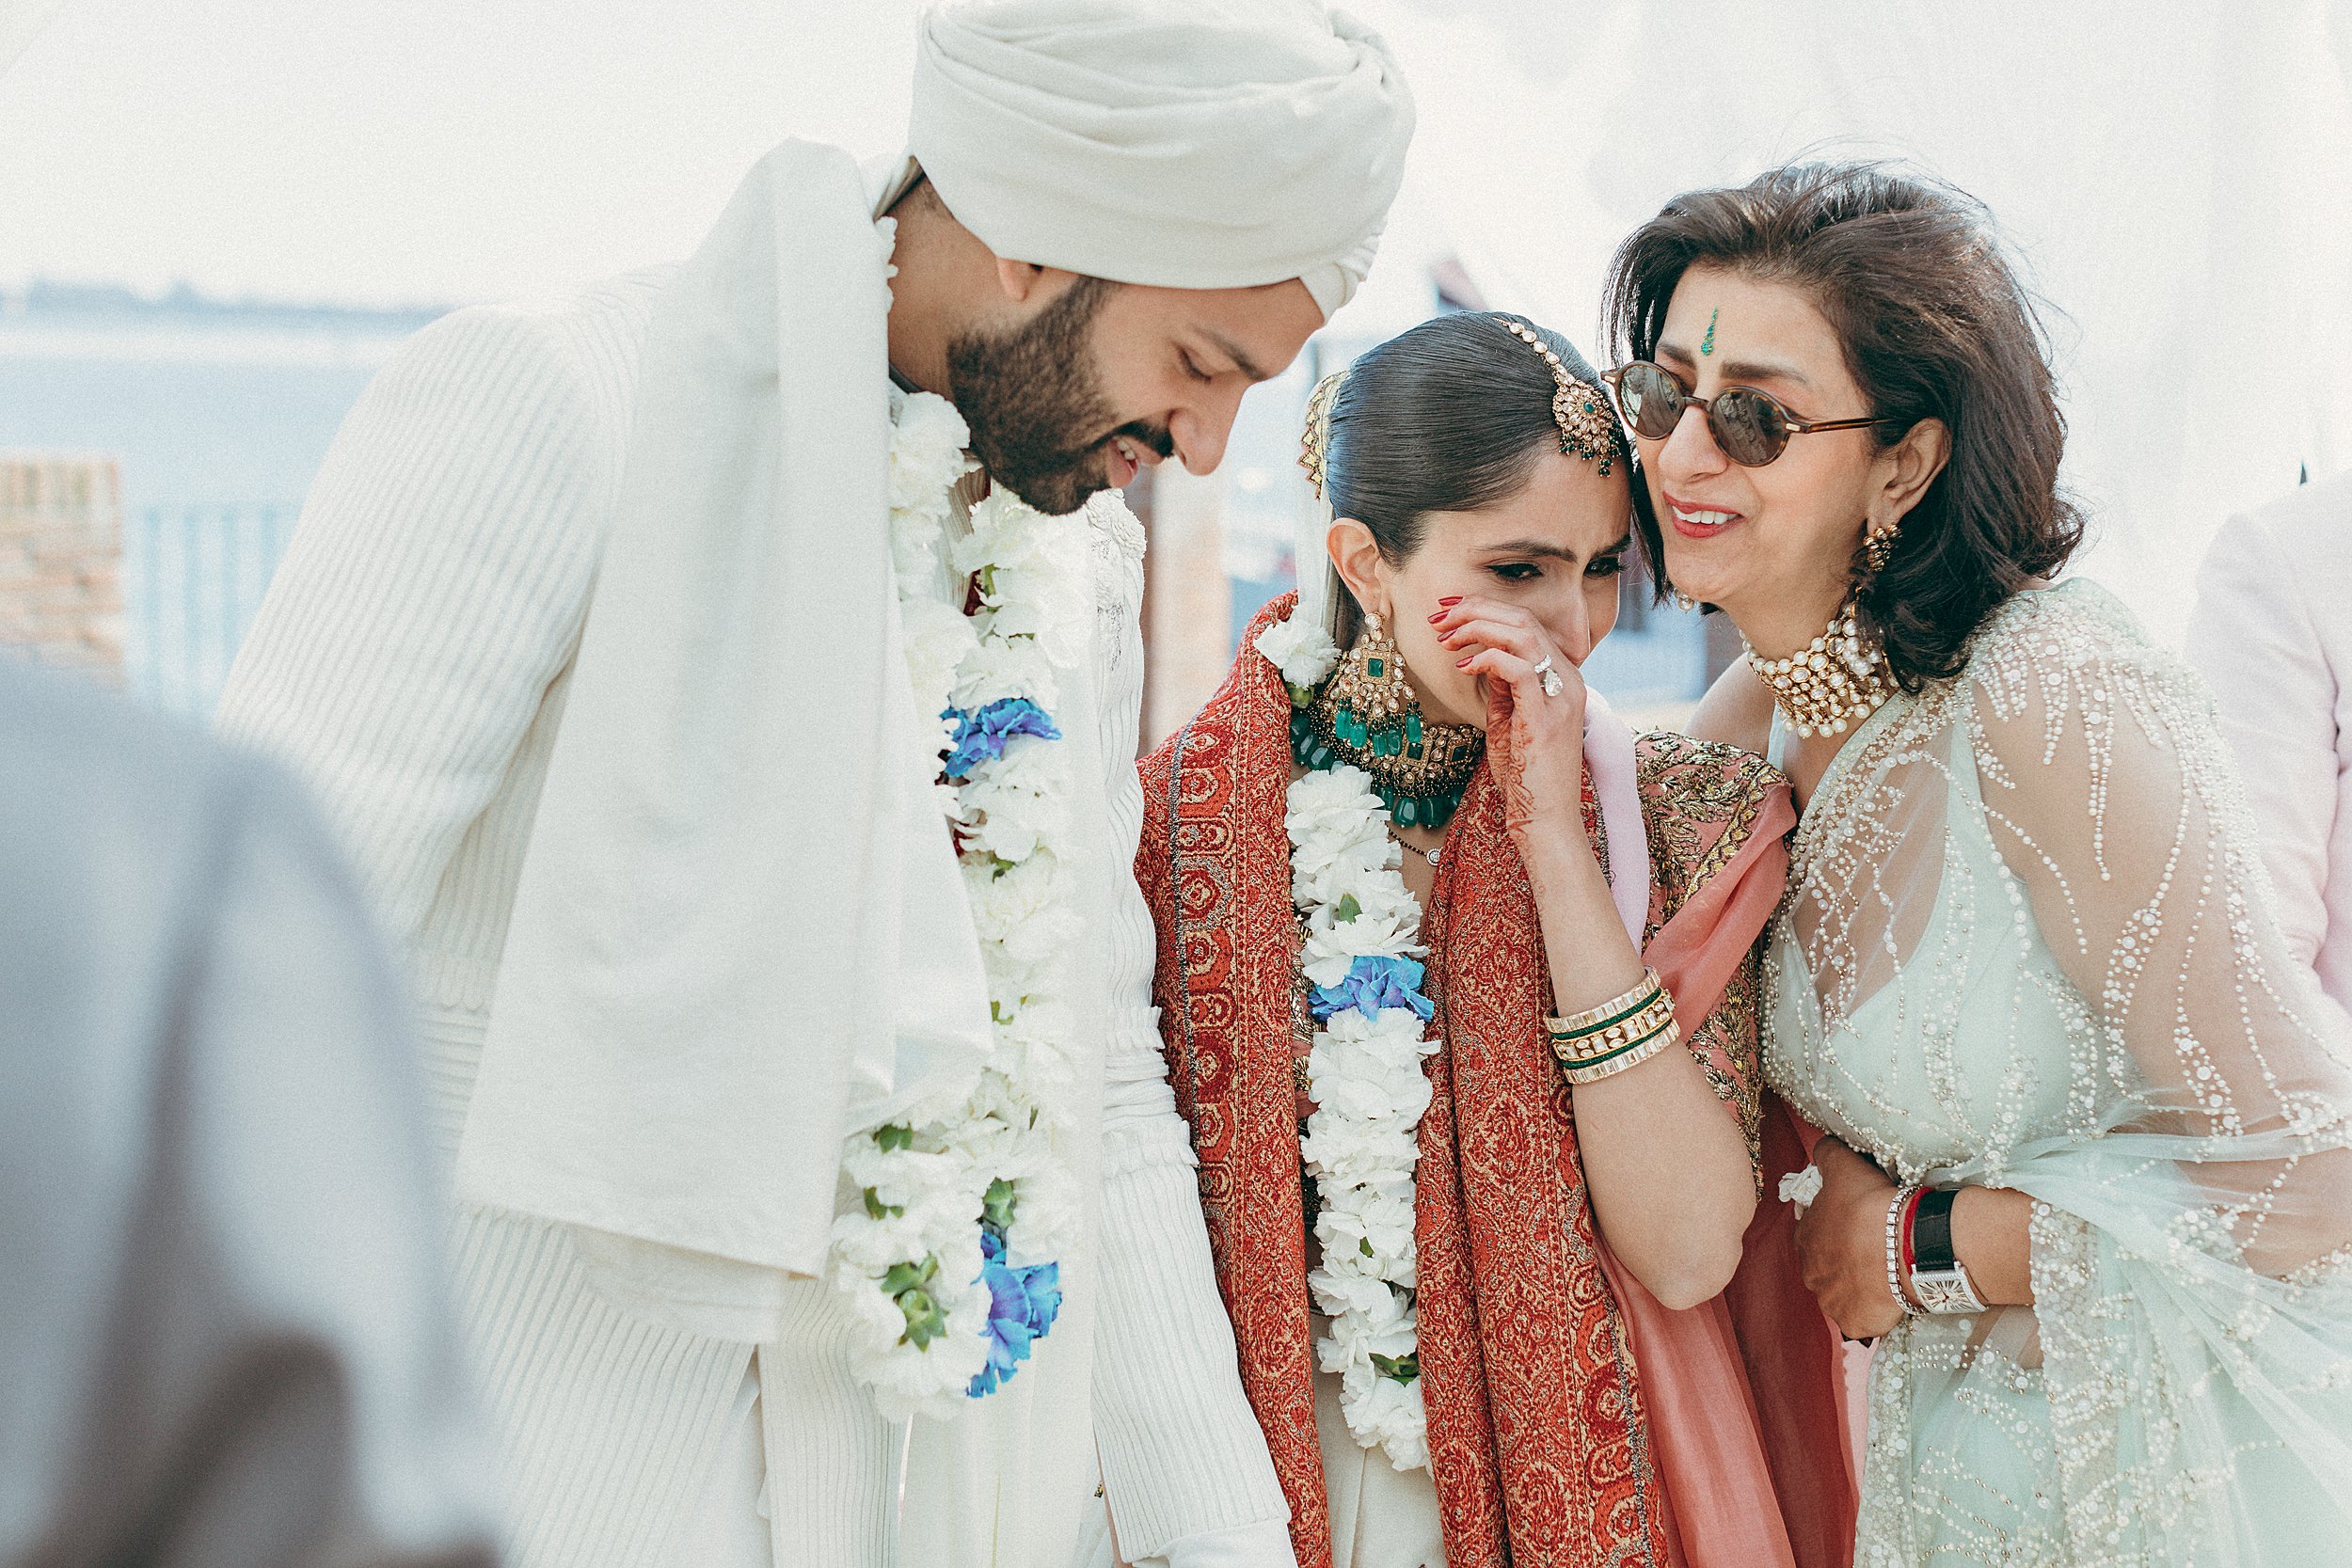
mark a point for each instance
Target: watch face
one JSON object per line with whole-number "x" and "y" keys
{"x": 1946, "y": 1293}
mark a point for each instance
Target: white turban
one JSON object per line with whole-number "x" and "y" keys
{"x": 1190, "y": 144}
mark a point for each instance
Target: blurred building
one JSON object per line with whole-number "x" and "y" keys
{"x": 61, "y": 559}
{"x": 212, "y": 416}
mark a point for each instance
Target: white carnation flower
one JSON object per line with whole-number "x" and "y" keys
{"x": 1337, "y": 802}
{"x": 938, "y": 641}
{"x": 918, "y": 552}
{"x": 995, "y": 669}
{"x": 1035, "y": 574}
{"x": 1057, "y": 622}
{"x": 927, "y": 455}
{"x": 1044, "y": 1215}
{"x": 1037, "y": 1040}
{"x": 1023, "y": 916}
{"x": 1009, "y": 813}
{"x": 1303, "y": 652}
{"x": 1800, "y": 1188}
{"x": 1366, "y": 1300}
{"x": 1391, "y": 1412}
{"x": 1385, "y": 1225}
{"x": 1332, "y": 946}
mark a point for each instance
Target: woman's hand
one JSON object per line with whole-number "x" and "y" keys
{"x": 1536, "y": 744}
{"x": 1841, "y": 1243}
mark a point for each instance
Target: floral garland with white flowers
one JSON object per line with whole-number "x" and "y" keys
{"x": 964, "y": 1183}
{"x": 1364, "y": 1072}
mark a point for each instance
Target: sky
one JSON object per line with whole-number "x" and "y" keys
{"x": 2170, "y": 175}
{"x": 425, "y": 150}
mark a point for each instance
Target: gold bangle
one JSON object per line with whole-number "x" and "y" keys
{"x": 1609, "y": 1012}
{"x": 1607, "y": 1040}
{"x": 1626, "y": 1057}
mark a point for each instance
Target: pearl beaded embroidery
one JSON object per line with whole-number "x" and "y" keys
{"x": 2026, "y": 943}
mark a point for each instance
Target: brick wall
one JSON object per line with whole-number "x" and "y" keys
{"x": 61, "y": 560}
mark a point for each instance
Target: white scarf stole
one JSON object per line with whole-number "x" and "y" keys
{"x": 740, "y": 921}
{"x": 741, "y": 930}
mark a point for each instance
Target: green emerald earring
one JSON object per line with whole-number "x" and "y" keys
{"x": 1375, "y": 710}
{"x": 1367, "y": 716}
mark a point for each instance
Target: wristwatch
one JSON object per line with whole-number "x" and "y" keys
{"x": 1939, "y": 1281}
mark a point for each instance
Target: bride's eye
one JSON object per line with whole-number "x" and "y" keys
{"x": 1517, "y": 571}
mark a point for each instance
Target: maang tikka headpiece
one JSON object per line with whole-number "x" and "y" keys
{"x": 1316, "y": 441}
{"x": 1587, "y": 429}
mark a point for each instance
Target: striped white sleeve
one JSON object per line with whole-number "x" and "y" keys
{"x": 1184, "y": 1464}
{"x": 434, "y": 588}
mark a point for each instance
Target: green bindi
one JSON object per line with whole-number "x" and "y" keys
{"x": 1707, "y": 344}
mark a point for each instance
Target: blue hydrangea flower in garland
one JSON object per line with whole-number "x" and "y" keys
{"x": 980, "y": 737}
{"x": 1024, "y": 1301}
{"x": 1373, "y": 982}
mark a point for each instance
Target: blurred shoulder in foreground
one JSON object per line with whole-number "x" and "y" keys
{"x": 223, "y": 1332}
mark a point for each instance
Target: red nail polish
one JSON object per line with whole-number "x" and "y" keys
{"x": 1437, "y": 617}
{"x": 1449, "y": 604}
{"x": 1463, "y": 663}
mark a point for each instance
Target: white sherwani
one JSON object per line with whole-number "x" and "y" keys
{"x": 2272, "y": 635}
{"x": 412, "y": 661}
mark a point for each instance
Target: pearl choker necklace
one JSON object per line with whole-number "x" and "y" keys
{"x": 1835, "y": 683}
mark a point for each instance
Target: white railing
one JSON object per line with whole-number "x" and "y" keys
{"x": 193, "y": 580}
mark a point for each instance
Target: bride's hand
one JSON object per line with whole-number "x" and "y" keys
{"x": 1535, "y": 743}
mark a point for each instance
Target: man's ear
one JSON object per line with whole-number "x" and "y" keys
{"x": 1019, "y": 279}
{"x": 1356, "y": 555}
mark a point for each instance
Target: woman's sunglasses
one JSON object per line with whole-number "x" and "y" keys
{"x": 1747, "y": 424}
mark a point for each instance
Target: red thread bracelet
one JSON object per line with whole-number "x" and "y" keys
{"x": 1911, "y": 1213}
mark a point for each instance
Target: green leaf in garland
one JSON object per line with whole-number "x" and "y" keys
{"x": 909, "y": 1276}
{"x": 1346, "y": 908}
{"x": 894, "y": 1137}
{"x": 997, "y": 1206}
{"x": 909, "y": 1285}
{"x": 877, "y": 1208}
{"x": 926, "y": 1321}
{"x": 1401, "y": 1368}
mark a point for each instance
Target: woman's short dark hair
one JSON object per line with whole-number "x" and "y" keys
{"x": 1935, "y": 324}
{"x": 1448, "y": 417}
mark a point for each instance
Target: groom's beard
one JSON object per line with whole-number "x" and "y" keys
{"x": 1036, "y": 412}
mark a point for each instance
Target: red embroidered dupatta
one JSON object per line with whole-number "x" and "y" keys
{"x": 1543, "y": 1449}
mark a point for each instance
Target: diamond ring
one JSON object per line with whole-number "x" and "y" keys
{"x": 1550, "y": 680}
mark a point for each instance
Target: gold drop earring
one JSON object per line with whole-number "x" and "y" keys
{"x": 1367, "y": 716}
{"x": 1878, "y": 548}
{"x": 1374, "y": 709}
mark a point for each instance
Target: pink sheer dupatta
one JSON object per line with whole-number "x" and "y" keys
{"x": 1746, "y": 1394}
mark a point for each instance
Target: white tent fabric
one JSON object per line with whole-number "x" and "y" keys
{"x": 20, "y": 20}
{"x": 2172, "y": 176}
